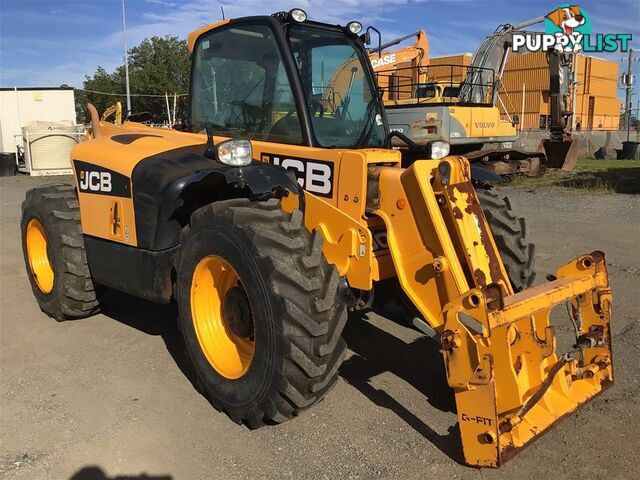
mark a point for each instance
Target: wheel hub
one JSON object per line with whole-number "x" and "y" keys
{"x": 237, "y": 311}
{"x": 222, "y": 317}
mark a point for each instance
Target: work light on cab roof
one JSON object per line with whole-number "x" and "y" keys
{"x": 354, "y": 27}
{"x": 298, "y": 15}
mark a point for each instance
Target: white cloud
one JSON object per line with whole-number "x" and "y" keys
{"x": 161, "y": 2}
{"x": 71, "y": 73}
{"x": 195, "y": 14}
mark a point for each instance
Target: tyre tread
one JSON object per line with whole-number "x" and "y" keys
{"x": 59, "y": 210}
{"x": 314, "y": 316}
{"x": 510, "y": 234}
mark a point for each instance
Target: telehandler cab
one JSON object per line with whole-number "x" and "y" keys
{"x": 273, "y": 214}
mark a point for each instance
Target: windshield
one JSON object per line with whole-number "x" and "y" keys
{"x": 340, "y": 93}
{"x": 240, "y": 86}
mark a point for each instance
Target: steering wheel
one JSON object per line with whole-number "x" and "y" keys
{"x": 252, "y": 117}
{"x": 315, "y": 106}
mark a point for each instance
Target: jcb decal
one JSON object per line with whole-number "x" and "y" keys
{"x": 315, "y": 176}
{"x": 96, "y": 181}
{"x": 102, "y": 181}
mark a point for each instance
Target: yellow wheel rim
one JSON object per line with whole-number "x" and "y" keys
{"x": 222, "y": 317}
{"x": 38, "y": 257}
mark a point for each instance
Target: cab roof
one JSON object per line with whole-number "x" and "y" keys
{"x": 193, "y": 36}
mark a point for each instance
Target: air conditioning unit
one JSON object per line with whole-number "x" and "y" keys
{"x": 47, "y": 147}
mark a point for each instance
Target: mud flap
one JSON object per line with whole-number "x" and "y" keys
{"x": 500, "y": 356}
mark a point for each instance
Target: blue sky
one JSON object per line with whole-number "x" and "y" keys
{"x": 47, "y": 43}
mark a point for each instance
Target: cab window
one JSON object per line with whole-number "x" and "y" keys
{"x": 340, "y": 94}
{"x": 240, "y": 87}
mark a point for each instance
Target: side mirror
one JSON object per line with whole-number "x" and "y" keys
{"x": 366, "y": 38}
{"x": 515, "y": 119}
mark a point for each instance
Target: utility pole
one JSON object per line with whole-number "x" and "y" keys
{"x": 522, "y": 117}
{"x": 574, "y": 88}
{"x": 628, "y": 81}
{"x": 126, "y": 60}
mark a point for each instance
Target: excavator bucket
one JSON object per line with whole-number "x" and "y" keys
{"x": 499, "y": 347}
{"x": 561, "y": 154}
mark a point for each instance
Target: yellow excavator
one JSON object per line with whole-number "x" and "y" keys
{"x": 116, "y": 111}
{"x": 264, "y": 227}
{"x": 461, "y": 103}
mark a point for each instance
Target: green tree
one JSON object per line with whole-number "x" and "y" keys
{"x": 156, "y": 66}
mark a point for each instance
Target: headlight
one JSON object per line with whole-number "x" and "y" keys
{"x": 298, "y": 15}
{"x": 439, "y": 149}
{"x": 354, "y": 27}
{"x": 236, "y": 153}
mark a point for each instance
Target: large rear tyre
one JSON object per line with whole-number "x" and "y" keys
{"x": 54, "y": 255}
{"x": 510, "y": 235}
{"x": 259, "y": 310}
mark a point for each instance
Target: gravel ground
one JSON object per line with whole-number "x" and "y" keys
{"x": 111, "y": 396}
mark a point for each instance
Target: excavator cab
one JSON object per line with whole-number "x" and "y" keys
{"x": 469, "y": 114}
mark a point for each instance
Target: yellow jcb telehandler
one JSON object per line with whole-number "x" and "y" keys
{"x": 272, "y": 215}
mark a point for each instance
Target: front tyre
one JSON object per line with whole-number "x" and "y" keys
{"x": 259, "y": 310}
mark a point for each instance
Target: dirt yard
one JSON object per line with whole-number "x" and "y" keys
{"x": 112, "y": 396}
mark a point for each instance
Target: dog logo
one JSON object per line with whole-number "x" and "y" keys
{"x": 567, "y": 19}
{"x": 564, "y": 21}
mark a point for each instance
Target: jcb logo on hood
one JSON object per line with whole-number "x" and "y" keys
{"x": 100, "y": 180}
{"x": 315, "y": 176}
{"x": 95, "y": 181}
